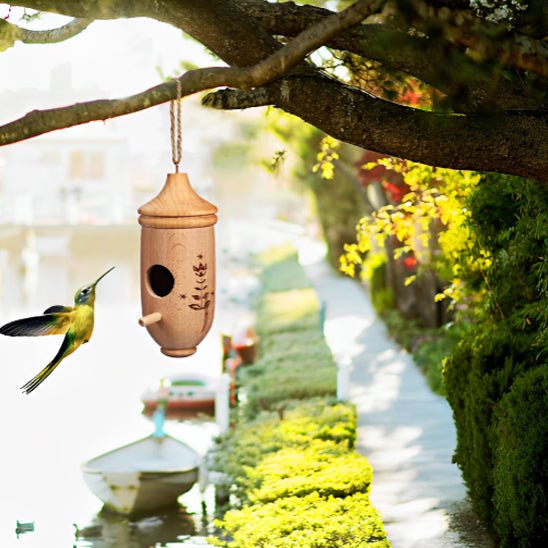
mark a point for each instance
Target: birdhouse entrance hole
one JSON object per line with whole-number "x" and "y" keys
{"x": 160, "y": 280}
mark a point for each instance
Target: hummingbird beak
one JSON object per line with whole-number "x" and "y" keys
{"x": 102, "y": 276}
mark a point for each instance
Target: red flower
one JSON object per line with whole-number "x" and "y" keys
{"x": 410, "y": 262}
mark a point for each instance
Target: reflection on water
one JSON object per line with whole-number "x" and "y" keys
{"x": 109, "y": 530}
{"x": 37, "y": 263}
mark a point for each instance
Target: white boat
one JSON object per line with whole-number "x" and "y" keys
{"x": 183, "y": 393}
{"x": 143, "y": 476}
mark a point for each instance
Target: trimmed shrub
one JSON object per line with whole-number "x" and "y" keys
{"x": 294, "y": 344}
{"x": 294, "y": 310}
{"x": 311, "y": 521}
{"x": 284, "y": 275}
{"x": 317, "y": 419}
{"x": 482, "y": 368}
{"x": 288, "y": 382}
{"x": 521, "y": 469}
{"x": 323, "y": 467}
{"x": 295, "y": 362}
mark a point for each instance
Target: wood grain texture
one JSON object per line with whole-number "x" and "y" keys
{"x": 188, "y": 309}
{"x": 178, "y": 222}
{"x": 177, "y": 205}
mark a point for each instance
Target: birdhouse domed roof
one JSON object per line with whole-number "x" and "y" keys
{"x": 177, "y": 206}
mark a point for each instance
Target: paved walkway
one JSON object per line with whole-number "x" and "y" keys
{"x": 405, "y": 431}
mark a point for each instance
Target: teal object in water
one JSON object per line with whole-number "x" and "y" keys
{"x": 159, "y": 418}
{"x": 22, "y": 528}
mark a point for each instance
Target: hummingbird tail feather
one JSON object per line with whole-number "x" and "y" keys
{"x": 36, "y": 381}
{"x": 62, "y": 353}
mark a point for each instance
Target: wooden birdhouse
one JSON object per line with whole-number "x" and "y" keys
{"x": 177, "y": 266}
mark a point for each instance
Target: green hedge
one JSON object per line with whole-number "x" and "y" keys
{"x": 303, "y": 422}
{"x": 293, "y": 472}
{"x": 294, "y": 359}
{"x": 307, "y": 522}
{"x": 496, "y": 377}
{"x": 482, "y": 368}
{"x": 271, "y": 389}
{"x": 322, "y": 467}
{"x": 520, "y": 474}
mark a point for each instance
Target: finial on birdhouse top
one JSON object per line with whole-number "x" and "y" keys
{"x": 177, "y": 206}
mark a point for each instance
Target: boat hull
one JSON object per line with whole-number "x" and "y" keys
{"x": 139, "y": 493}
{"x": 143, "y": 477}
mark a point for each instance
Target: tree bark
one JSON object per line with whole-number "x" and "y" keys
{"x": 10, "y": 33}
{"x": 515, "y": 142}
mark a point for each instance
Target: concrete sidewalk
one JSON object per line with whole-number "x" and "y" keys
{"x": 405, "y": 431}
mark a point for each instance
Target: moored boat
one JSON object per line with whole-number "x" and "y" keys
{"x": 143, "y": 476}
{"x": 186, "y": 393}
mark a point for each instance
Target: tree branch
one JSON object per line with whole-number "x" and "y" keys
{"x": 87, "y": 9}
{"x": 72, "y": 28}
{"x": 471, "y": 85}
{"x": 10, "y": 33}
{"x": 276, "y": 65}
{"x": 511, "y": 142}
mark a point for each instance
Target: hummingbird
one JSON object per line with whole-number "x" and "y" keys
{"x": 75, "y": 322}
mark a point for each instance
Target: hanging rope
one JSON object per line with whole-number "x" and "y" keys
{"x": 175, "y": 116}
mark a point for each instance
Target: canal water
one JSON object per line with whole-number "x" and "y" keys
{"x": 91, "y": 403}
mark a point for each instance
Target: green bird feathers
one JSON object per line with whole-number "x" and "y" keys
{"x": 75, "y": 322}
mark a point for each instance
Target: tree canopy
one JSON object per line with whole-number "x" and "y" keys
{"x": 451, "y": 83}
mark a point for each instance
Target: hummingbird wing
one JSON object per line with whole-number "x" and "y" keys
{"x": 50, "y": 324}
{"x": 66, "y": 348}
{"x": 57, "y": 308}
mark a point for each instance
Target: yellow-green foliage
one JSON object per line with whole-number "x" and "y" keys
{"x": 315, "y": 419}
{"x": 323, "y": 467}
{"x": 8, "y": 35}
{"x": 287, "y": 310}
{"x": 435, "y": 203}
{"x": 311, "y": 521}
{"x": 326, "y": 157}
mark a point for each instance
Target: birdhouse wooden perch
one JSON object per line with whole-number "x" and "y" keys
{"x": 177, "y": 266}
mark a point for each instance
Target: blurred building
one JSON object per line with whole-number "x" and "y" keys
{"x": 97, "y": 173}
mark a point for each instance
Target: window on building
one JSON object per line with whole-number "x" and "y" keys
{"x": 86, "y": 165}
